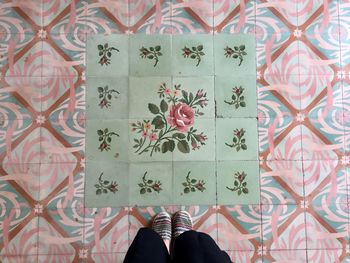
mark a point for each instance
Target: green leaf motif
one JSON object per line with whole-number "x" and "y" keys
{"x": 183, "y": 146}
{"x": 163, "y": 106}
{"x": 158, "y": 123}
{"x": 153, "y": 108}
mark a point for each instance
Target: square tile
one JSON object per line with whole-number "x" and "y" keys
{"x": 194, "y": 183}
{"x": 107, "y": 140}
{"x": 236, "y": 139}
{"x": 237, "y": 182}
{"x": 234, "y": 54}
{"x": 110, "y": 188}
{"x": 235, "y": 96}
{"x": 151, "y": 183}
{"x": 198, "y": 93}
{"x": 150, "y": 56}
{"x": 283, "y": 227}
{"x": 198, "y": 143}
{"x": 192, "y": 55}
{"x": 144, "y": 91}
{"x": 150, "y": 141}
{"x": 107, "y": 98}
{"x": 107, "y": 56}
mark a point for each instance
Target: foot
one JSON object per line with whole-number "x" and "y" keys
{"x": 182, "y": 222}
{"x": 162, "y": 225}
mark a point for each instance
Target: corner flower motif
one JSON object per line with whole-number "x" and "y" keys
{"x": 240, "y": 185}
{"x": 42, "y": 34}
{"x": 105, "y": 96}
{"x": 152, "y": 53}
{"x": 148, "y": 186}
{"x": 191, "y": 185}
{"x": 237, "y": 53}
{"x": 238, "y": 140}
{"x": 105, "y": 53}
{"x": 105, "y": 139}
{"x": 237, "y": 98}
{"x": 194, "y": 53}
{"x": 105, "y": 186}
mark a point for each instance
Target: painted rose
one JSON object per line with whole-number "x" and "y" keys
{"x": 181, "y": 116}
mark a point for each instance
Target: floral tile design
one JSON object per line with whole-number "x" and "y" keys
{"x": 194, "y": 183}
{"x": 235, "y": 96}
{"x": 150, "y": 56}
{"x": 108, "y": 186}
{"x": 234, "y": 54}
{"x": 111, "y": 97}
{"x": 236, "y": 182}
{"x": 192, "y": 55}
{"x": 235, "y": 139}
{"x": 108, "y": 140}
{"x": 106, "y": 54}
{"x": 151, "y": 183}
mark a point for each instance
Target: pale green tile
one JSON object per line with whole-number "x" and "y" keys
{"x": 147, "y": 144}
{"x": 192, "y": 55}
{"x": 201, "y": 142}
{"x": 107, "y": 98}
{"x": 202, "y": 191}
{"x": 231, "y": 193}
{"x": 235, "y": 96}
{"x": 244, "y": 149}
{"x": 113, "y": 181}
{"x": 155, "y": 174}
{"x": 118, "y": 61}
{"x": 117, "y": 148}
{"x": 144, "y": 91}
{"x": 202, "y": 90}
{"x": 153, "y": 64}
{"x": 229, "y": 65}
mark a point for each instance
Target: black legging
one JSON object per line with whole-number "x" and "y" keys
{"x": 189, "y": 247}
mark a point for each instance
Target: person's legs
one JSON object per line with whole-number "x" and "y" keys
{"x": 147, "y": 247}
{"x": 191, "y": 246}
{"x": 196, "y": 247}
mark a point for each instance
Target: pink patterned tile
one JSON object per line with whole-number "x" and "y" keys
{"x": 106, "y": 230}
{"x": 283, "y": 227}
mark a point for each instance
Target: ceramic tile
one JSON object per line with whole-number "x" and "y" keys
{"x": 51, "y": 221}
{"x": 194, "y": 183}
{"x": 27, "y": 258}
{"x": 282, "y": 182}
{"x": 235, "y": 96}
{"x": 106, "y": 230}
{"x": 107, "y": 98}
{"x": 198, "y": 144}
{"x": 237, "y": 234}
{"x": 198, "y": 93}
{"x": 59, "y": 258}
{"x": 107, "y": 140}
{"x": 328, "y": 255}
{"x": 236, "y": 139}
{"x": 147, "y": 144}
{"x": 151, "y": 183}
{"x": 234, "y": 55}
{"x": 330, "y": 223}
{"x": 144, "y": 91}
{"x": 283, "y": 227}
{"x": 20, "y": 184}
{"x": 20, "y": 222}
{"x": 110, "y": 186}
{"x": 192, "y": 55}
{"x": 286, "y": 255}
{"x": 237, "y": 182}
{"x": 107, "y": 56}
{"x": 150, "y": 56}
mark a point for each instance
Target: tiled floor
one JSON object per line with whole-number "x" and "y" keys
{"x": 302, "y": 51}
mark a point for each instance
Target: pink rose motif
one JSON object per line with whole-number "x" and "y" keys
{"x": 181, "y": 116}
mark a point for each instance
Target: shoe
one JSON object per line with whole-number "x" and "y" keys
{"x": 162, "y": 225}
{"x": 182, "y": 222}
